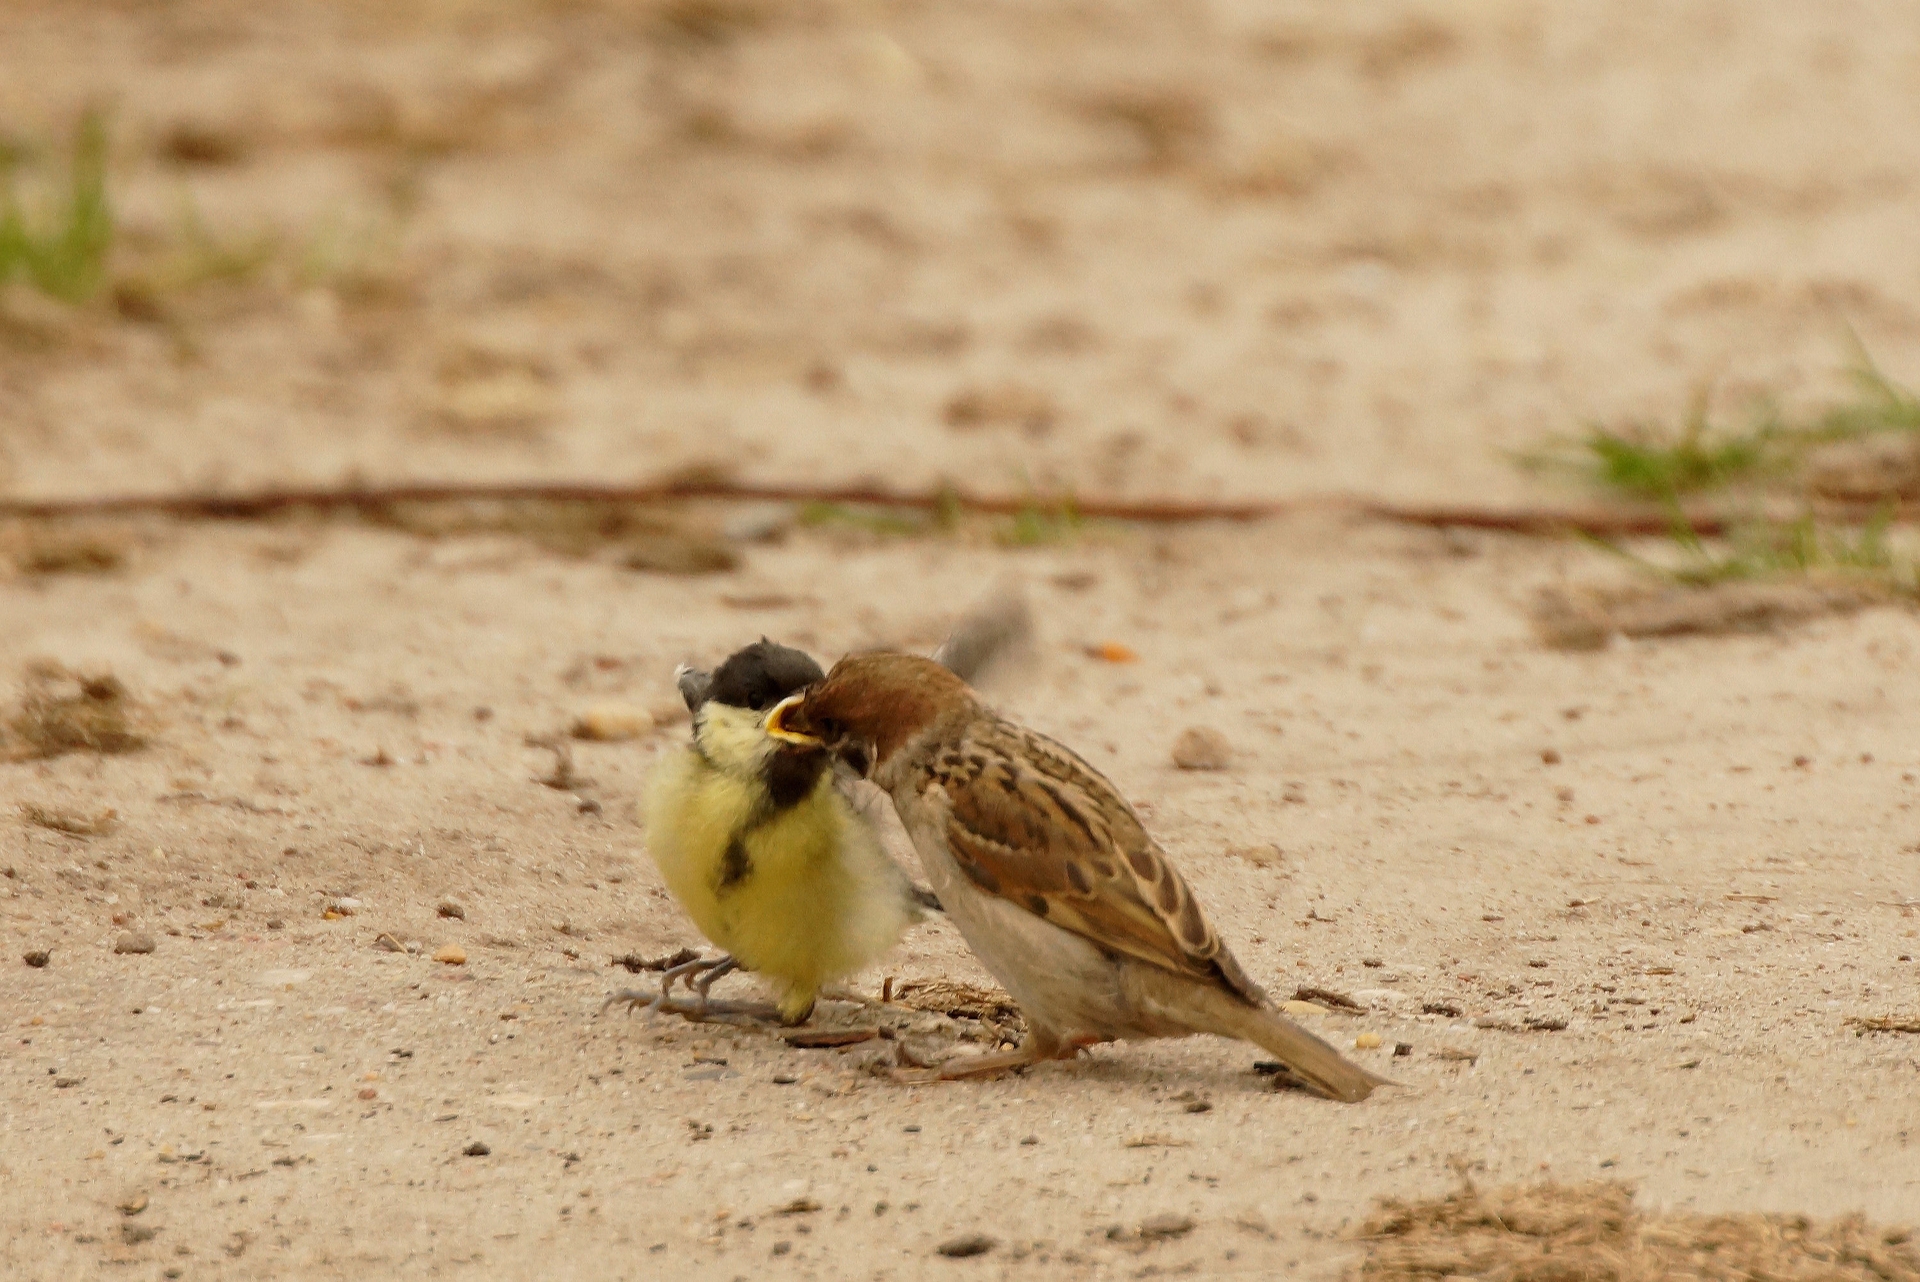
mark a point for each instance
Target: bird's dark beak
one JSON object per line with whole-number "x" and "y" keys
{"x": 787, "y": 722}
{"x": 694, "y": 685}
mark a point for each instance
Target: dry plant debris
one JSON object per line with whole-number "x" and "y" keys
{"x": 993, "y": 1009}
{"x": 70, "y": 822}
{"x": 1593, "y": 1233}
{"x": 1886, "y": 1023}
{"x": 62, "y": 711}
{"x": 665, "y": 542}
{"x": 1587, "y": 618}
{"x": 55, "y": 547}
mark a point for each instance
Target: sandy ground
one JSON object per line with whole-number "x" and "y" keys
{"x": 1245, "y": 251}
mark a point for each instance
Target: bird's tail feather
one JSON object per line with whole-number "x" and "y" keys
{"x": 1204, "y": 1008}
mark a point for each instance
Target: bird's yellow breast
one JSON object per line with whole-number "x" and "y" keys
{"x": 804, "y": 895}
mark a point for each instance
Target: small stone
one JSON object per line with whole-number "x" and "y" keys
{"x": 611, "y": 723}
{"x": 1550, "y": 756}
{"x": 276, "y": 923}
{"x": 1202, "y": 748}
{"x": 134, "y": 1205}
{"x": 38, "y": 958}
{"x": 1402, "y": 1050}
{"x": 135, "y": 1234}
{"x": 1303, "y": 1008}
{"x": 1165, "y": 1225}
{"x": 476, "y": 1149}
{"x": 1367, "y": 1042}
{"x": 450, "y": 954}
{"x": 448, "y": 908}
{"x": 368, "y": 1092}
{"x": 134, "y": 941}
{"x": 960, "y": 1248}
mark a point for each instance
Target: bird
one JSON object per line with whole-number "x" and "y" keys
{"x": 770, "y": 859}
{"x": 1047, "y": 872}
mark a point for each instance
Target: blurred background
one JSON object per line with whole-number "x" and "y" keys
{"x": 1217, "y": 250}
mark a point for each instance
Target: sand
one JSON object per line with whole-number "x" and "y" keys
{"x": 1620, "y": 905}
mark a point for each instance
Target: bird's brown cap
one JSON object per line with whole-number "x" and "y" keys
{"x": 879, "y": 701}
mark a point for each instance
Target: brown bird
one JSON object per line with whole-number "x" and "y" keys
{"x": 1047, "y": 872}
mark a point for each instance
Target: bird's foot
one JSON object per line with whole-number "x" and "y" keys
{"x": 699, "y": 976}
{"x": 702, "y": 982}
{"x": 699, "y": 1011}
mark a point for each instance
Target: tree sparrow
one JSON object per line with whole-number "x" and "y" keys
{"x": 1046, "y": 871}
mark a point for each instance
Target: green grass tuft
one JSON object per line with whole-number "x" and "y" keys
{"x": 63, "y": 251}
{"x": 870, "y": 520}
{"x": 1772, "y": 549}
{"x": 1652, "y": 461}
{"x": 1037, "y": 524}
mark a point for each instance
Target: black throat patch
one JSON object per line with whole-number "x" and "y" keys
{"x": 735, "y": 867}
{"x": 791, "y": 777}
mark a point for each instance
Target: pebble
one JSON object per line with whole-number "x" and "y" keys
{"x": 476, "y": 1149}
{"x": 134, "y": 941}
{"x": 611, "y": 723}
{"x": 960, "y": 1248}
{"x": 1366, "y": 1042}
{"x": 276, "y": 923}
{"x": 450, "y": 954}
{"x": 448, "y": 908}
{"x": 1202, "y": 748}
{"x": 37, "y": 958}
{"x": 1303, "y": 1008}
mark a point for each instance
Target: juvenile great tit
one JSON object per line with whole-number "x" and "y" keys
{"x": 765, "y": 853}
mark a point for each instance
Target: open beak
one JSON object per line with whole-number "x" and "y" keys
{"x": 778, "y": 719}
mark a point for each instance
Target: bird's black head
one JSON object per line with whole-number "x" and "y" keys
{"x": 756, "y": 677}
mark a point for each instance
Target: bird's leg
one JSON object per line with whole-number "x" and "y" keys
{"x": 725, "y": 966}
{"x": 699, "y": 976}
{"x": 707, "y": 971}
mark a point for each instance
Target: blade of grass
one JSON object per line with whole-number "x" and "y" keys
{"x": 66, "y": 259}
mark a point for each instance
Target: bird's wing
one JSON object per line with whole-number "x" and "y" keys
{"x": 1031, "y": 823}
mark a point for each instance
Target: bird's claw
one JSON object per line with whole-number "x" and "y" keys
{"x": 698, "y": 975}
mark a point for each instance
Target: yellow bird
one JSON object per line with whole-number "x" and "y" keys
{"x": 765, "y": 853}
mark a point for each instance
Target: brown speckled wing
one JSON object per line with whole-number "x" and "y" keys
{"x": 1035, "y": 825}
